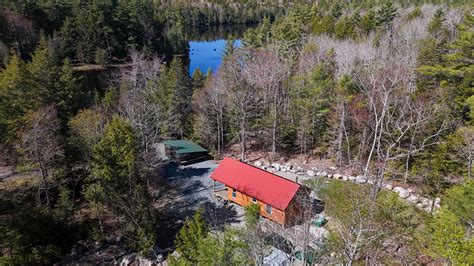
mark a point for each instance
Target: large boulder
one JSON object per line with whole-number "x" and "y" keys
{"x": 332, "y": 168}
{"x": 128, "y": 259}
{"x": 351, "y": 178}
{"x": 403, "y": 193}
{"x": 424, "y": 201}
{"x": 428, "y": 209}
{"x": 337, "y": 176}
{"x": 361, "y": 179}
{"x": 311, "y": 173}
{"x": 258, "y": 164}
{"x": 276, "y": 166}
{"x": 318, "y": 232}
{"x": 413, "y": 199}
{"x": 148, "y": 262}
{"x": 388, "y": 186}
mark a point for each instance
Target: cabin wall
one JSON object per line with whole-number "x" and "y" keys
{"x": 244, "y": 200}
{"x": 295, "y": 212}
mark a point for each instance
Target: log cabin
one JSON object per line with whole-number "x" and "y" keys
{"x": 280, "y": 199}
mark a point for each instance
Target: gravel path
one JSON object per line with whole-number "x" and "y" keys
{"x": 192, "y": 182}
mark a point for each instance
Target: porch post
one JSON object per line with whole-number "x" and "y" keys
{"x": 214, "y": 187}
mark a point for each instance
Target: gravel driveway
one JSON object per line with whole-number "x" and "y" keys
{"x": 192, "y": 182}
{"x": 187, "y": 189}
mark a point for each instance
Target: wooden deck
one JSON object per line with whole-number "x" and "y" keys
{"x": 221, "y": 193}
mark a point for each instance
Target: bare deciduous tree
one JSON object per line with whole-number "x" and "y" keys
{"x": 210, "y": 109}
{"x": 87, "y": 127}
{"x": 137, "y": 103}
{"x": 267, "y": 71}
{"x": 242, "y": 98}
{"x": 40, "y": 145}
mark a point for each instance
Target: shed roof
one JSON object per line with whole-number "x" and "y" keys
{"x": 184, "y": 146}
{"x": 255, "y": 182}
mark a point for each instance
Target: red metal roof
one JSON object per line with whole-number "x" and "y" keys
{"x": 252, "y": 181}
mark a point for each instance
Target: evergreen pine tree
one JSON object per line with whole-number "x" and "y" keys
{"x": 175, "y": 95}
{"x": 415, "y": 13}
{"x": 336, "y": 11}
{"x": 452, "y": 68}
{"x": 43, "y": 72}
{"x": 191, "y": 238}
{"x": 198, "y": 79}
{"x": 450, "y": 240}
{"x": 386, "y": 14}
{"x": 368, "y": 22}
{"x": 264, "y": 31}
{"x": 115, "y": 183}
{"x": 229, "y": 48}
{"x": 68, "y": 97}
{"x": 13, "y": 100}
{"x": 312, "y": 105}
{"x": 436, "y": 26}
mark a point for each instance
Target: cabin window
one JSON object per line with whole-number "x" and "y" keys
{"x": 254, "y": 200}
{"x": 234, "y": 193}
{"x": 269, "y": 209}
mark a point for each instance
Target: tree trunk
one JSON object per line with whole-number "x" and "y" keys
{"x": 339, "y": 137}
{"x": 274, "y": 128}
{"x": 222, "y": 134}
{"x": 469, "y": 165}
{"x": 242, "y": 140}
{"x": 346, "y": 136}
{"x": 218, "y": 138}
{"x": 407, "y": 162}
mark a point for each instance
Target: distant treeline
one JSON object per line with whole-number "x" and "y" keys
{"x": 100, "y": 31}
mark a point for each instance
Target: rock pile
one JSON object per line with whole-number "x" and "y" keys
{"x": 421, "y": 202}
{"x": 134, "y": 259}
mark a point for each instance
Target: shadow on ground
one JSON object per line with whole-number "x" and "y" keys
{"x": 218, "y": 214}
{"x": 179, "y": 194}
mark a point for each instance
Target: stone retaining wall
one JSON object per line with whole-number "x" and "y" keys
{"x": 407, "y": 194}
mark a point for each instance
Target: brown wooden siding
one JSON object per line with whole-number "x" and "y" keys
{"x": 295, "y": 212}
{"x": 244, "y": 200}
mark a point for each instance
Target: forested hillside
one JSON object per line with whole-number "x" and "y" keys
{"x": 380, "y": 89}
{"x": 87, "y": 31}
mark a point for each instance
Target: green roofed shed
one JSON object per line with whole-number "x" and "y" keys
{"x": 182, "y": 147}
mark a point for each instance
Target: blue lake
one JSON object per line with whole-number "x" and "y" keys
{"x": 207, "y": 54}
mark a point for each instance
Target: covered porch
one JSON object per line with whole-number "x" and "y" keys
{"x": 219, "y": 190}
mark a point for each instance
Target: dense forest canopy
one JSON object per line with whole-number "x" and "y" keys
{"x": 382, "y": 89}
{"x": 97, "y": 31}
